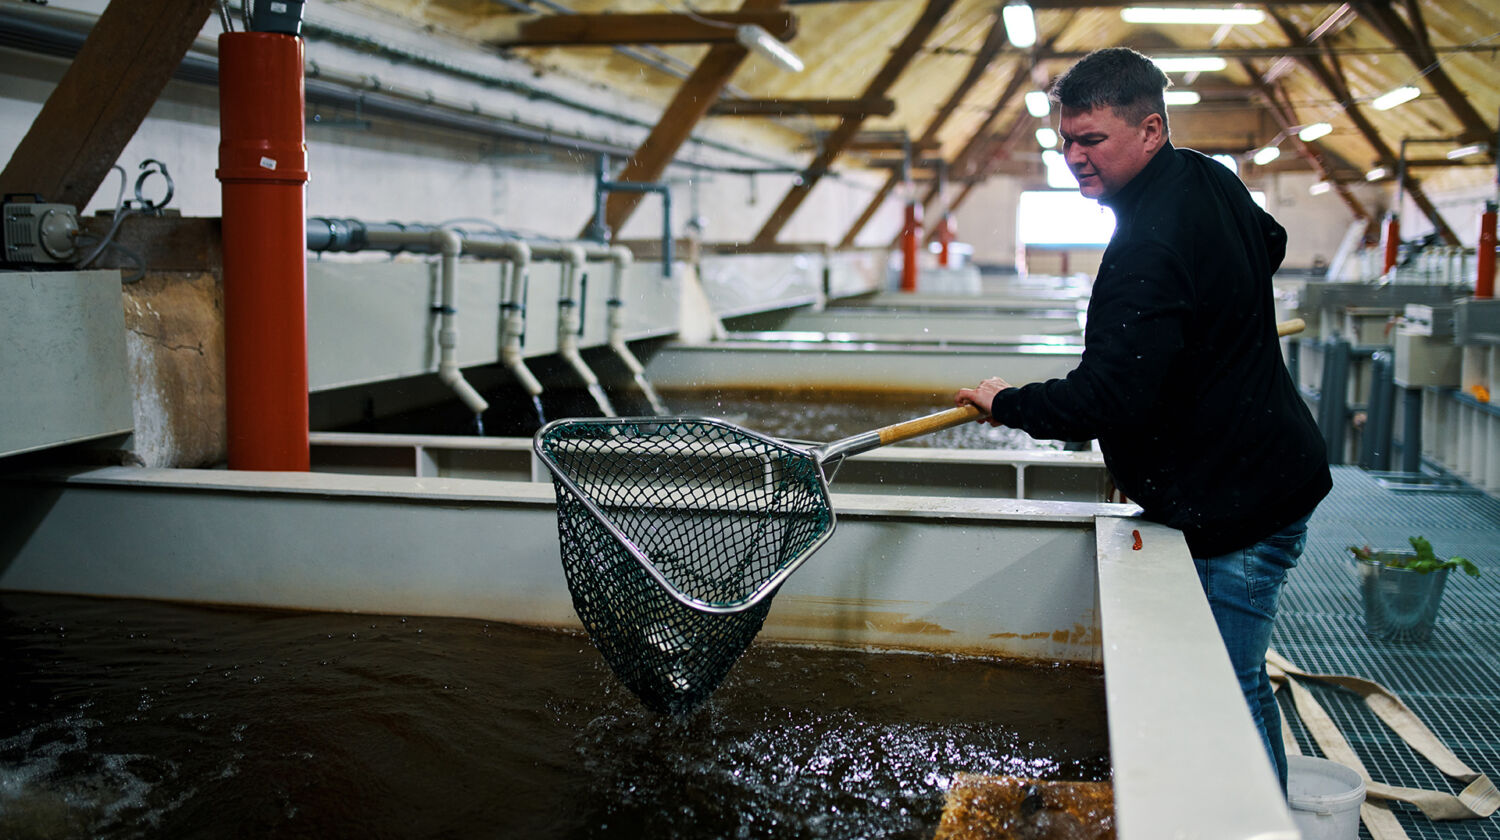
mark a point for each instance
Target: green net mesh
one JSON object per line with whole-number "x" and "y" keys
{"x": 719, "y": 513}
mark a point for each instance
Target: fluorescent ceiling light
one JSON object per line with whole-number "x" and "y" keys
{"x": 1037, "y": 104}
{"x": 1046, "y": 137}
{"x": 1020, "y": 24}
{"x": 1387, "y": 101}
{"x": 1230, "y": 162}
{"x": 1219, "y": 16}
{"x": 757, "y": 39}
{"x": 1266, "y": 155}
{"x": 1059, "y": 176}
{"x": 1181, "y": 97}
{"x": 1375, "y": 174}
{"x": 1314, "y": 131}
{"x": 1319, "y": 188}
{"x": 1467, "y": 151}
{"x": 1190, "y": 64}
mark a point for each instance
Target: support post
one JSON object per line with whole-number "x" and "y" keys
{"x": 1333, "y": 408}
{"x": 263, "y": 169}
{"x": 1411, "y": 431}
{"x": 1484, "y": 280}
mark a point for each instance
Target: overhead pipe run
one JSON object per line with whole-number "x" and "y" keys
{"x": 517, "y": 255}
{"x": 352, "y": 235}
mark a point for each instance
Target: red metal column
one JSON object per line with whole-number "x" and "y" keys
{"x": 911, "y": 241}
{"x": 945, "y": 233}
{"x": 263, "y": 170}
{"x": 1484, "y": 282}
{"x": 1392, "y": 242}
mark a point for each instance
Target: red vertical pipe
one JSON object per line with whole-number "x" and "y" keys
{"x": 911, "y": 241}
{"x": 945, "y": 239}
{"x": 1392, "y": 242}
{"x": 1484, "y": 283}
{"x": 263, "y": 170}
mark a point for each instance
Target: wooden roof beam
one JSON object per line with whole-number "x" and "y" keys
{"x": 849, "y": 126}
{"x": 102, "y": 99}
{"x": 1351, "y": 110}
{"x": 1286, "y": 117}
{"x": 880, "y": 107}
{"x": 994, "y": 42}
{"x": 1413, "y": 43}
{"x": 593, "y": 30}
{"x": 692, "y": 100}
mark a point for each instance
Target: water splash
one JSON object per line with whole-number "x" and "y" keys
{"x": 657, "y": 406}
{"x": 541, "y": 416}
{"x": 478, "y": 424}
{"x": 602, "y": 399}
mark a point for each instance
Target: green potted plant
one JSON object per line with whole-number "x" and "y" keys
{"x": 1402, "y": 589}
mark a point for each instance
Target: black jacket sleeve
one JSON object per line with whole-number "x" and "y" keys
{"x": 1137, "y": 323}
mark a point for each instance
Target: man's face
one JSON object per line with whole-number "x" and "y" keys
{"x": 1105, "y": 152}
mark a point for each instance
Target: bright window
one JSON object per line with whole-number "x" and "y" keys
{"x": 1066, "y": 217}
{"x": 1062, "y": 217}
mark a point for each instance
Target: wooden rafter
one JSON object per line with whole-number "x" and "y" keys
{"x": 700, "y": 90}
{"x": 849, "y": 126}
{"x": 1286, "y": 117}
{"x": 1382, "y": 150}
{"x": 994, "y": 42}
{"x": 583, "y": 30}
{"x": 881, "y": 107}
{"x": 1419, "y": 51}
{"x": 102, "y": 98}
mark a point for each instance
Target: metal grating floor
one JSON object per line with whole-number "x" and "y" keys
{"x": 1451, "y": 681}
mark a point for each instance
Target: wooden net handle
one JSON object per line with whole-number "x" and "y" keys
{"x": 909, "y": 429}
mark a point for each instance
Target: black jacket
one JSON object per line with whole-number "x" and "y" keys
{"x": 1181, "y": 378}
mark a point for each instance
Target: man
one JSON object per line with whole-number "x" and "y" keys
{"x": 1181, "y": 378}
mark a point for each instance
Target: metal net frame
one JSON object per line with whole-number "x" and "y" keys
{"x": 675, "y": 534}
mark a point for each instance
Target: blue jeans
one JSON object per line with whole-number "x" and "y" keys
{"x": 1242, "y": 588}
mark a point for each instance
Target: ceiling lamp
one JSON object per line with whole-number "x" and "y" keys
{"x": 1190, "y": 64}
{"x": 1218, "y": 16}
{"x": 1468, "y": 151}
{"x": 1181, "y": 97}
{"x": 1020, "y": 24}
{"x": 1266, "y": 155}
{"x": 1319, "y": 188}
{"x": 758, "y": 40}
{"x": 1046, "y": 137}
{"x": 1375, "y": 174}
{"x": 1314, "y": 131}
{"x": 1037, "y": 104}
{"x": 1387, "y": 101}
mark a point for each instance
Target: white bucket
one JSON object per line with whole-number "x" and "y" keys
{"x": 1325, "y": 797}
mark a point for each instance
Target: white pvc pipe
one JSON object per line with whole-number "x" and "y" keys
{"x": 451, "y": 245}
{"x": 512, "y": 296}
{"x": 620, "y": 259}
{"x": 568, "y": 322}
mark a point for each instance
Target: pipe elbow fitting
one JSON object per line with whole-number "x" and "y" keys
{"x": 448, "y": 242}
{"x": 448, "y": 374}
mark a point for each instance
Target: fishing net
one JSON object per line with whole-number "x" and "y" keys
{"x": 675, "y": 534}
